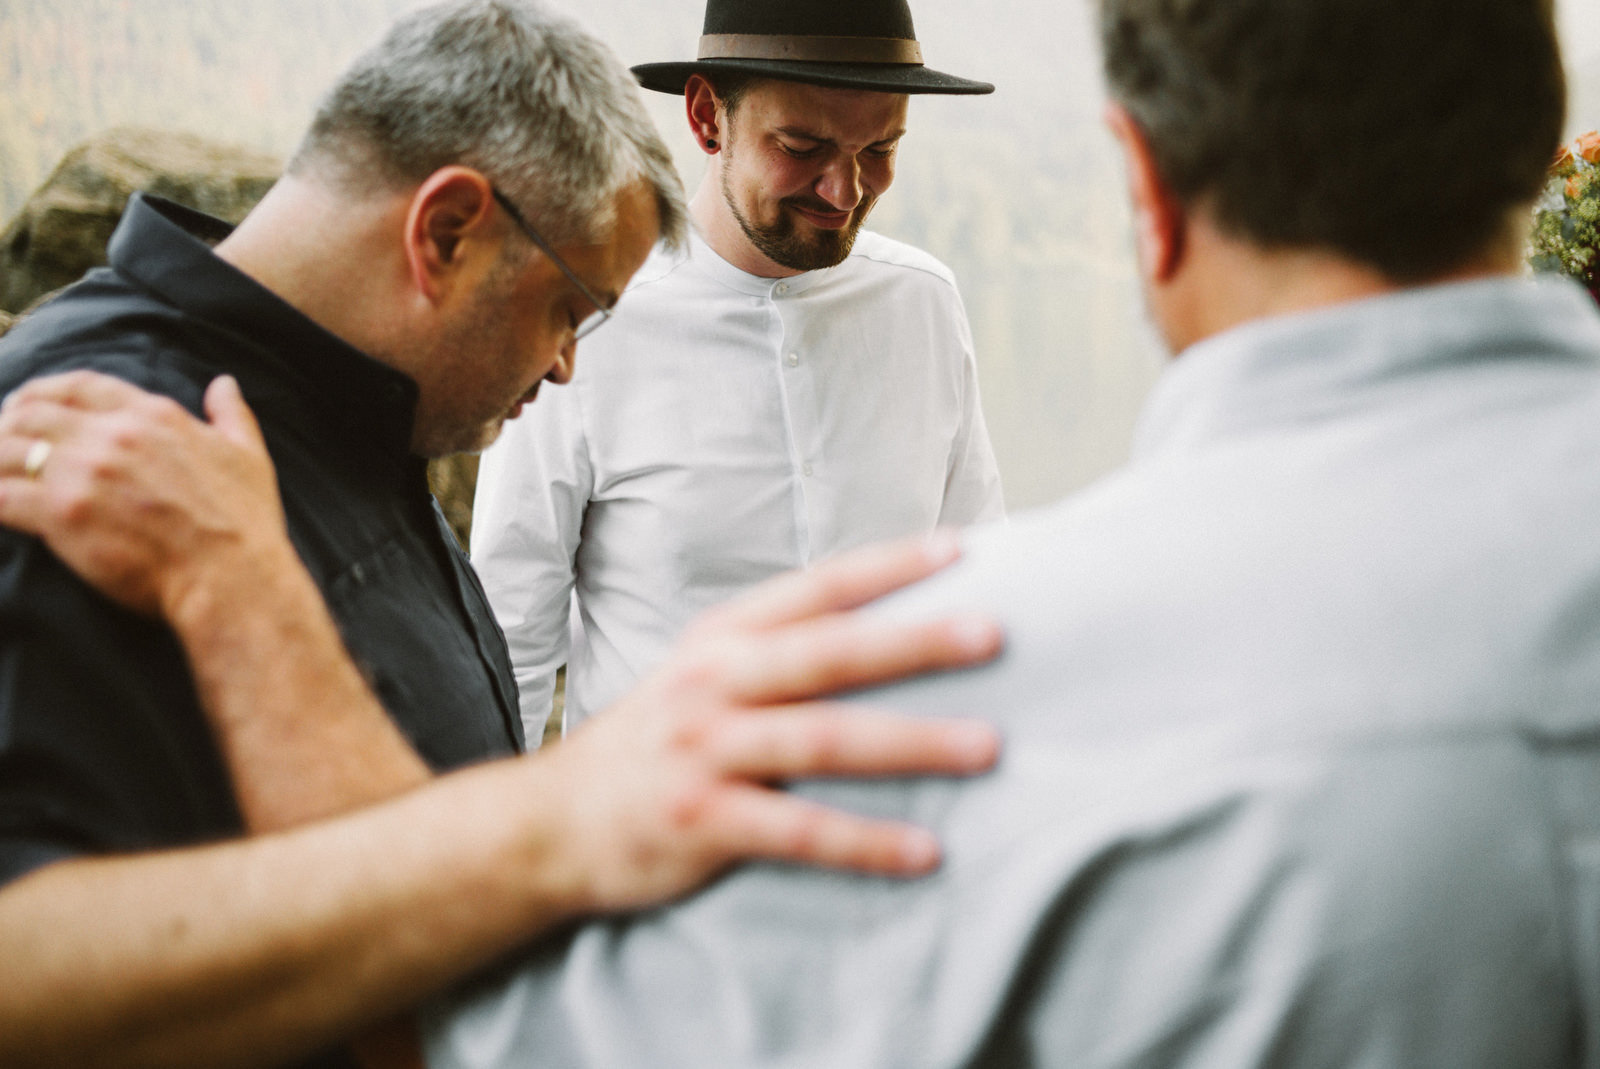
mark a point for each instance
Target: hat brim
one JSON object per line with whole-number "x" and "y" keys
{"x": 879, "y": 77}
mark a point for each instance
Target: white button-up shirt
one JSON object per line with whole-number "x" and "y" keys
{"x": 722, "y": 429}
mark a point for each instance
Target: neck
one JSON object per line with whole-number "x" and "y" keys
{"x": 1228, "y": 282}
{"x": 330, "y": 256}
{"x": 717, "y": 226}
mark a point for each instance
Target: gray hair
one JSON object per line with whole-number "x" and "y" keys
{"x": 512, "y": 89}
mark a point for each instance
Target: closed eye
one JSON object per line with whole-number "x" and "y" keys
{"x": 577, "y": 310}
{"x": 884, "y": 149}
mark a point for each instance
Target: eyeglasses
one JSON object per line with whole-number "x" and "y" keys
{"x": 590, "y": 323}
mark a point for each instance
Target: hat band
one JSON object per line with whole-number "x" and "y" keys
{"x": 810, "y": 49}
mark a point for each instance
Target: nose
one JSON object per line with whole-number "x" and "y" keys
{"x": 561, "y": 371}
{"x": 840, "y": 184}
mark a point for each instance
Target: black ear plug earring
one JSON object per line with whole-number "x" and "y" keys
{"x": 711, "y": 142}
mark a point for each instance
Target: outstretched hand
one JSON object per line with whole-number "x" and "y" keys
{"x": 680, "y": 779}
{"x": 121, "y": 496}
{"x": 673, "y": 784}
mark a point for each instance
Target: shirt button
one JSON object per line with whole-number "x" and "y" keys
{"x": 794, "y": 359}
{"x": 806, "y": 471}
{"x": 783, "y": 287}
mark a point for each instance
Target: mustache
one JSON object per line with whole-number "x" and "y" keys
{"x": 822, "y": 207}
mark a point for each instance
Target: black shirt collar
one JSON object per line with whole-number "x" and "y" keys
{"x": 166, "y": 249}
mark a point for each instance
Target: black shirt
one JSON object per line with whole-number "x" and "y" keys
{"x": 103, "y": 747}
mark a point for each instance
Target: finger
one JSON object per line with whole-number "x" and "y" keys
{"x": 756, "y": 823}
{"x": 24, "y": 505}
{"x": 847, "y": 652}
{"x": 77, "y": 389}
{"x": 816, "y": 740}
{"x": 23, "y": 425}
{"x": 225, "y": 407}
{"x": 845, "y": 582}
{"x": 14, "y": 450}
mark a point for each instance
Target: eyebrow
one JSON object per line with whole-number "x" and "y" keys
{"x": 806, "y": 135}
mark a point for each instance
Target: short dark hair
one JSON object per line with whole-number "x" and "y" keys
{"x": 1399, "y": 133}
{"x": 731, "y": 86}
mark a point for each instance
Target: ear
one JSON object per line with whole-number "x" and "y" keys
{"x": 450, "y": 227}
{"x": 704, "y": 112}
{"x": 1160, "y": 220}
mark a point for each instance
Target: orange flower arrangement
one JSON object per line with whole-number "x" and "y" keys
{"x": 1585, "y": 148}
{"x": 1566, "y": 222}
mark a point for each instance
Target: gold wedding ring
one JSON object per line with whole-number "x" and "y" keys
{"x": 34, "y": 462}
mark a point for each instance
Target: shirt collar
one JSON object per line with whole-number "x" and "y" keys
{"x": 721, "y": 271}
{"x": 1288, "y": 369}
{"x": 166, "y": 249}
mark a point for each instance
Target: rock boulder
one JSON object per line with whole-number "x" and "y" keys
{"x": 62, "y": 230}
{"x": 453, "y": 481}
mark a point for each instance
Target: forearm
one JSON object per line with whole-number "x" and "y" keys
{"x": 972, "y": 486}
{"x": 257, "y": 951}
{"x": 534, "y": 614}
{"x": 528, "y": 513}
{"x": 303, "y": 735}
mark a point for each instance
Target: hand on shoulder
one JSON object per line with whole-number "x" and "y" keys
{"x": 146, "y": 503}
{"x": 682, "y": 778}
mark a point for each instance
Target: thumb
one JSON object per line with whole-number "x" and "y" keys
{"x": 226, "y": 409}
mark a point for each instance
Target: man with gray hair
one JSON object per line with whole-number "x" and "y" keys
{"x": 471, "y": 198}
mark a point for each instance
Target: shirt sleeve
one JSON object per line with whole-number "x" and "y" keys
{"x": 534, "y": 485}
{"x": 972, "y": 489}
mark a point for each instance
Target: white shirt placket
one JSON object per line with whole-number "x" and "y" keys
{"x": 797, "y": 387}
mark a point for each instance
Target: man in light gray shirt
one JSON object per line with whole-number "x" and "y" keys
{"x": 1303, "y": 739}
{"x": 1301, "y": 706}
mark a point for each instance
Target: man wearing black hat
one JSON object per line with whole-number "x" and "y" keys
{"x": 789, "y": 387}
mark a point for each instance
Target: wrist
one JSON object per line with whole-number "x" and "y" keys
{"x": 514, "y": 863}
{"x": 550, "y": 849}
{"x": 206, "y": 600}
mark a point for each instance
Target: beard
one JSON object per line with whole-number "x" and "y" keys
{"x": 469, "y": 395}
{"x": 787, "y": 244}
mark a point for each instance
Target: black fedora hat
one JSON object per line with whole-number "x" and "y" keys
{"x": 845, "y": 44}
